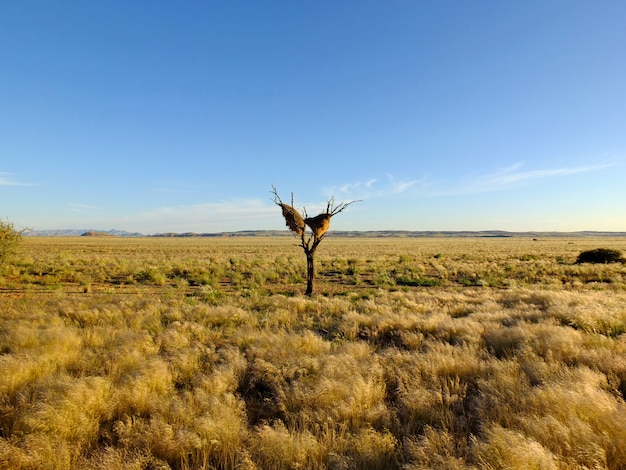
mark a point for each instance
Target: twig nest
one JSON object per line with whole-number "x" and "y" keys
{"x": 293, "y": 219}
{"x": 319, "y": 224}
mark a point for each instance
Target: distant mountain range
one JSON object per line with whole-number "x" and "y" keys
{"x": 81, "y": 232}
{"x": 336, "y": 233}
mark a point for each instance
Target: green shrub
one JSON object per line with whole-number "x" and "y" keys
{"x": 10, "y": 238}
{"x": 600, "y": 255}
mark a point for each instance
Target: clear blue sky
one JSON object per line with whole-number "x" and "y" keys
{"x": 160, "y": 116}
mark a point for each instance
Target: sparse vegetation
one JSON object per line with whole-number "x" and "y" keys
{"x": 201, "y": 354}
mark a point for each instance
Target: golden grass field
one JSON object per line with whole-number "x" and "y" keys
{"x": 202, "y": 353}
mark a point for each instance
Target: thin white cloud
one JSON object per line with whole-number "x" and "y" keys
{"x": 9, "y": 179}
{"x": 503, "y": 179}
{"x": 206, "y": 217}
{"x": 512, "y": 177}
{"x": 81, "y": 208}
{"x": 351, "y": 188}
{"x": 373, "y": 188}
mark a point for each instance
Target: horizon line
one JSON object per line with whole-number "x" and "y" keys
{"x": 281, "y": 232}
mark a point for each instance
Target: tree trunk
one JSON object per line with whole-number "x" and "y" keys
{"x": 310, "y": 273}
{"x": 309, "y": 247}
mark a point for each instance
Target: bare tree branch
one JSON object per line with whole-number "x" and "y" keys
{"x": 277, "y": 200}
{"x": 293, "y": 219}
{"x": 340, "y": 207}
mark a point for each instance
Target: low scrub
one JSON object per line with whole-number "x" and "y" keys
{"x": 600, "y": 255}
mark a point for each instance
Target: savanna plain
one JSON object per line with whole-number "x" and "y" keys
{"x": 412, "y": 353}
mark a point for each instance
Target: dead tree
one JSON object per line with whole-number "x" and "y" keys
{"x": 318, "y": 225}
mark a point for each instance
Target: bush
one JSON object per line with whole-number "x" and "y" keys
{"x": 10, "y": 238}
{"x": 600, "y": 255}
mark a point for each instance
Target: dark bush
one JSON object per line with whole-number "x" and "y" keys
{"x": 600, "y": 255}
{"x": 263, "y": 390}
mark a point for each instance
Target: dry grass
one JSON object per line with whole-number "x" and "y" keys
{"x": 202, "y": 354}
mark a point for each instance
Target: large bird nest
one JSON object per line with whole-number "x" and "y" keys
{"x": 293, "y": 219}
{"x": 319, "y": 224}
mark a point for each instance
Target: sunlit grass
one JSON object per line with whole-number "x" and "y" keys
{"x": 185, "y": 354}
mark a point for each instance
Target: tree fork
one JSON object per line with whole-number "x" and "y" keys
{"x": 318, "y": 225}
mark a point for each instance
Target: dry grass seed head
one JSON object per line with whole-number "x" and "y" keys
{"x": 592, "y": 312}
{"x": 576, "y": 417}
{"x": 35, "y": 451}
{"x": 225, "y": 373}
{"x": 503, "y": 392}
{"x": 437, "y": 388}
{"x": 348, "y": 391}
{"x": 197, "y": 428}
{"x": 222, "y": 427}
{"x": 555, "y": 342}
{"x": 121, "y": 459}
{"x": 276, "y": 447}
{"x": 505, "y": 448}
{"x": 371, "y": 449}
{"x": 435, "y": 449}
{"x": 70, "y": 410}
{"x": 144, "y": 387}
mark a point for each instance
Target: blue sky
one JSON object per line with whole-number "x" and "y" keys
{"x": 159, "y": 116}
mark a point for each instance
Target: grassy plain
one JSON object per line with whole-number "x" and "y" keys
{"x": 124, "y": 353}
